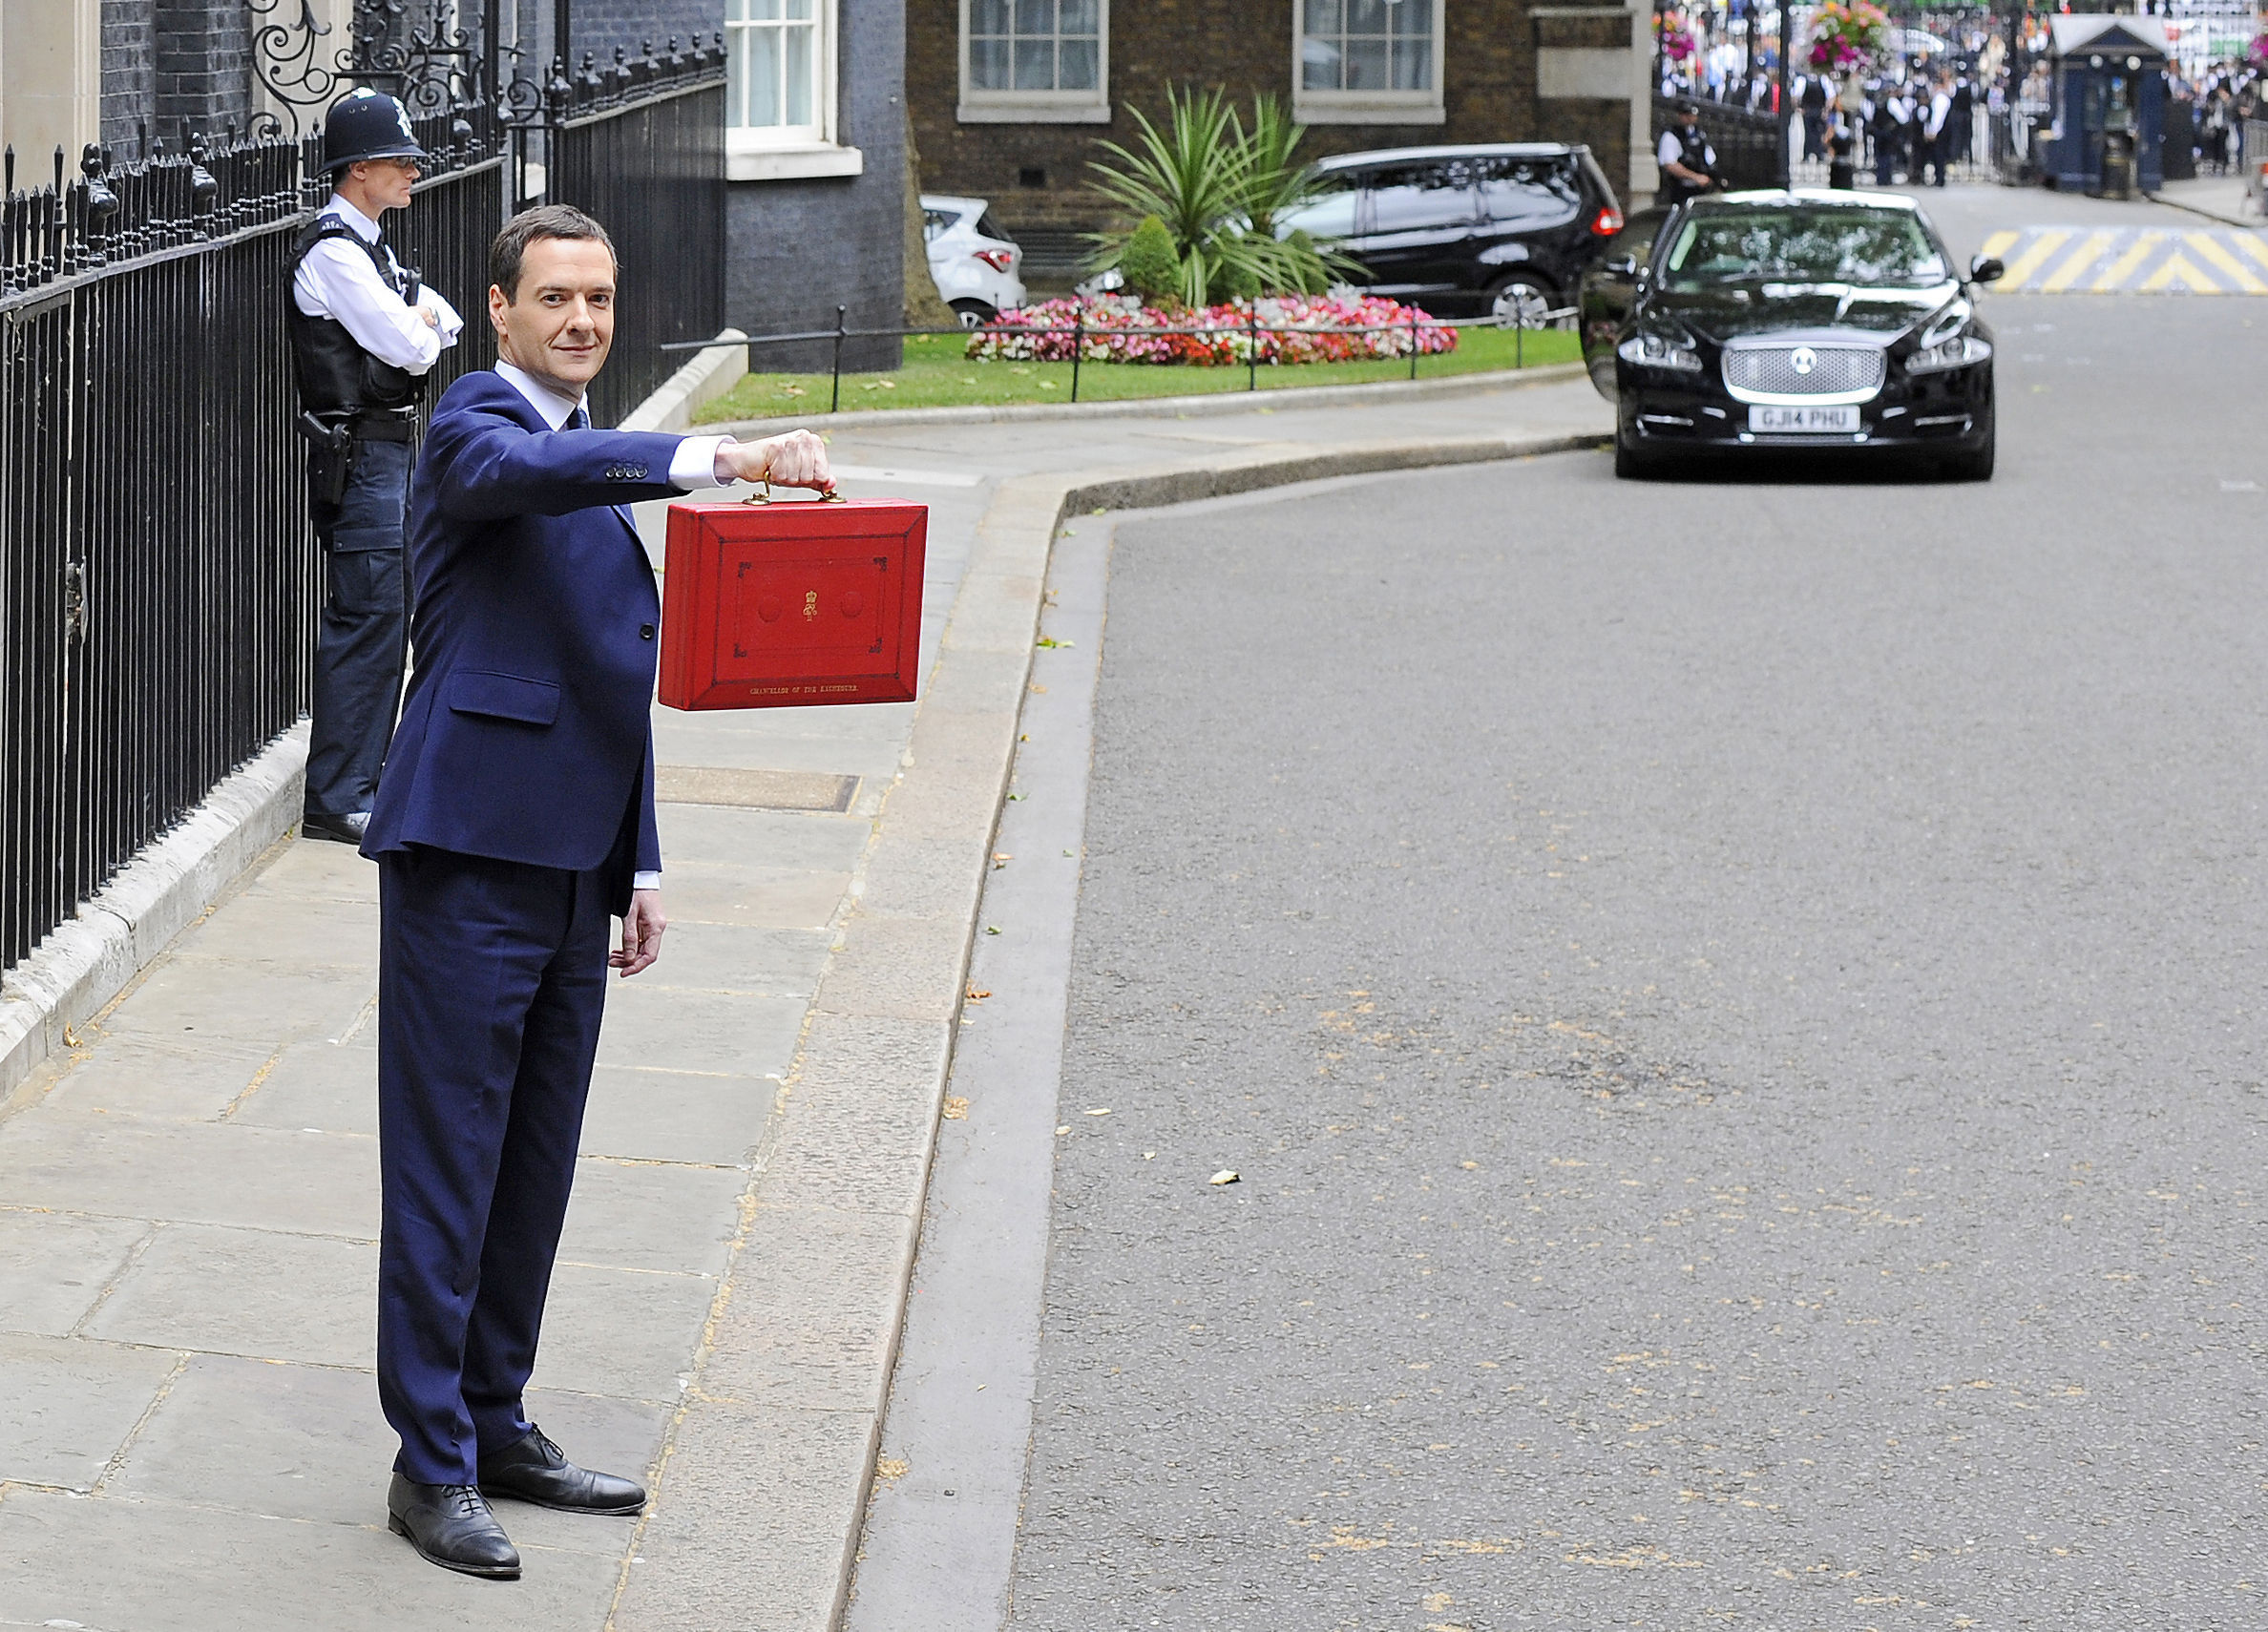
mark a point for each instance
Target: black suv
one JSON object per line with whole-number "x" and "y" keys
{"x": 1508, "y": 228}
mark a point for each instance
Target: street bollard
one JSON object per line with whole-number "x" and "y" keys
{"x": 1078, "y": 344}
{"x": 1412, "y": 342}
{"x": 834, "y": 401}
{"x": 1253, "y": 344}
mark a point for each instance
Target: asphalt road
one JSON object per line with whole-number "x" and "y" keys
{"x": 1737, "y": 1009}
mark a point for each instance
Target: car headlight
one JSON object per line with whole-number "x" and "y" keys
{"x": 1652, "y": 351}
{"x": 1958, "y": 352}
{"x": 1945, "y": 343}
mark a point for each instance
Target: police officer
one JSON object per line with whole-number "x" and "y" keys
{"x": 1687, "y": 160}
{"x": 365, "y": 334}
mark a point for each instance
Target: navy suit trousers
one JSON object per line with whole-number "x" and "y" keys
{"x": 491, "y": 977}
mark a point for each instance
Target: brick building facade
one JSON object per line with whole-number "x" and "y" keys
{"x": 1499, "y": 69}
{"x": 174, "y": 68}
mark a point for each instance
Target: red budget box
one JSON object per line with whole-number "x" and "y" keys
{"x": 793, "y": 603}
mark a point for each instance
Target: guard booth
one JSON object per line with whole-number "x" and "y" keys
{"x": 2109, "y": 87}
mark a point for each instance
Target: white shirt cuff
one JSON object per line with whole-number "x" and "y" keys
{"x": 694, "y": 464}
{"x": 646, "y": 881}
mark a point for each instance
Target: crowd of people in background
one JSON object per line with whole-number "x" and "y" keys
{"x": 1935, "y": 110}
{"x": 2212, "y": 107}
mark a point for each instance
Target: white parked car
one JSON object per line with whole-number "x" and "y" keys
{"x": 976, "y": 266}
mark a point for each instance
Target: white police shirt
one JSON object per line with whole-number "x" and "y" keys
{"x": 337, "y": 280}
{"x": 691, "y": 468}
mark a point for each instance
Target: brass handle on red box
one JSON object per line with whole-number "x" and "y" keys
{"x": 830, "y": 496}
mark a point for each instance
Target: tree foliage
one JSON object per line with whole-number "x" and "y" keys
{"x": 1217, "y": 191}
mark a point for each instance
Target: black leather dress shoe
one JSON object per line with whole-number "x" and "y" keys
{"x": 451, "y": 1525}
{"x": 536, "y": 1471}
{"x": 347, "y": 830}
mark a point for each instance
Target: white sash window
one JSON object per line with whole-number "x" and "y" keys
{"x": 780, "y": 90}
{"x": 1037, "y": 61}
{"x": 1367, "y": 61}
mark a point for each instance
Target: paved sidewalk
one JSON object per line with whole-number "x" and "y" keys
{"x": 2222, "y": 197}
{"x": 189, "y": 1433}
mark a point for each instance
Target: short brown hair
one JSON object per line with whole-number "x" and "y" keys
{"x": 544, "y": 221}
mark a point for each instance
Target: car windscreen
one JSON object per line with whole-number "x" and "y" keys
{"x": 1795, "y": 244}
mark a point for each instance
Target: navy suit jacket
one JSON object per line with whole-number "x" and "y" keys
{"x": 525, "y": 735}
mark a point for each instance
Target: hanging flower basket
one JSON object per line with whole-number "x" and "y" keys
{"x": 1847, "y": 35}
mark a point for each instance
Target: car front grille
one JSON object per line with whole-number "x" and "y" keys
{"x": 1834, "y": 370}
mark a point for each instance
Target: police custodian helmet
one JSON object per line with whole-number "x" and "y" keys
{"x": 367, "y": 124}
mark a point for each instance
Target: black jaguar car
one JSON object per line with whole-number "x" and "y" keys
{"x": 1743, "y": 321}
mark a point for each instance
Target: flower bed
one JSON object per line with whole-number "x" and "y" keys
{"x": 1122, "y": 331}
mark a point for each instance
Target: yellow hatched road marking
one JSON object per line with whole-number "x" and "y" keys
{"x": 2210, "y": 247}
{"x": 2000, "y": 244}
{"x": 2123, "y": 268}
{"x": 2179, "y": 265}
{"x": 2079, "y": 261}
{"x": 2035, "y": 253}
{"x": 2252, "y": 245}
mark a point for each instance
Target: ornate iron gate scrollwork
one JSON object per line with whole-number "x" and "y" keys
{"x": 434, "y": 56}
{"x": 447, "y": 56}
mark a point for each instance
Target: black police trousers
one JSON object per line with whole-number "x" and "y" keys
{"x": 361, "y": 639}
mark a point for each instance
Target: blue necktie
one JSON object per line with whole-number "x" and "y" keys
{"x": 581, "y": 420}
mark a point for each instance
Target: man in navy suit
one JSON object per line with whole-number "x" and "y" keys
{"x": 514, "y": 820}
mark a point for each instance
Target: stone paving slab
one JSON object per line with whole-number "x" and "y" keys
{"x": 113, "y": 1563}
{"x": 267, "y": 1294}
{"x": 188, "y": 1199}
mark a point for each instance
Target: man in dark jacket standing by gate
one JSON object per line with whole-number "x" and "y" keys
{"x": 364, "y": 335}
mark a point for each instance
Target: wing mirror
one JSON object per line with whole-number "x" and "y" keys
{"x": 1621, "y": 267}
{"x": 1986, "y": 269}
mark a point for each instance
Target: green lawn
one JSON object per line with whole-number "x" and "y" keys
{"x": 937, "y": 375}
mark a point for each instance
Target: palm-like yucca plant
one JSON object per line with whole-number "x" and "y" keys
{"x": 1218, "y": 190}
{"x": 1278, "y": 184}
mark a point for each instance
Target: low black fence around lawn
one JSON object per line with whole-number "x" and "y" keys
{"x": 1079, "y": 329}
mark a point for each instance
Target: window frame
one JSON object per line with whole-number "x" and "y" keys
{"x": 1368, "y": 107}
{"x": 776, "y": 153}
{"x": 990, "y": 107}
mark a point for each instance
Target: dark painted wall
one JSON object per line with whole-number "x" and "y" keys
{"x": 796, "y": 249}
{"x": 129, "y": 71}
{"x": 602, "y": 25}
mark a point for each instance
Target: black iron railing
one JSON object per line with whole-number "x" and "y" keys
{"x": 655, "y": 164}
{"x": 157, "y": 580}
{"x": 157, "y": 574}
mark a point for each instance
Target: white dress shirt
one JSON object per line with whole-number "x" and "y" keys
{"x": 337, "y": 280}
{"x": 691, "y": 468}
